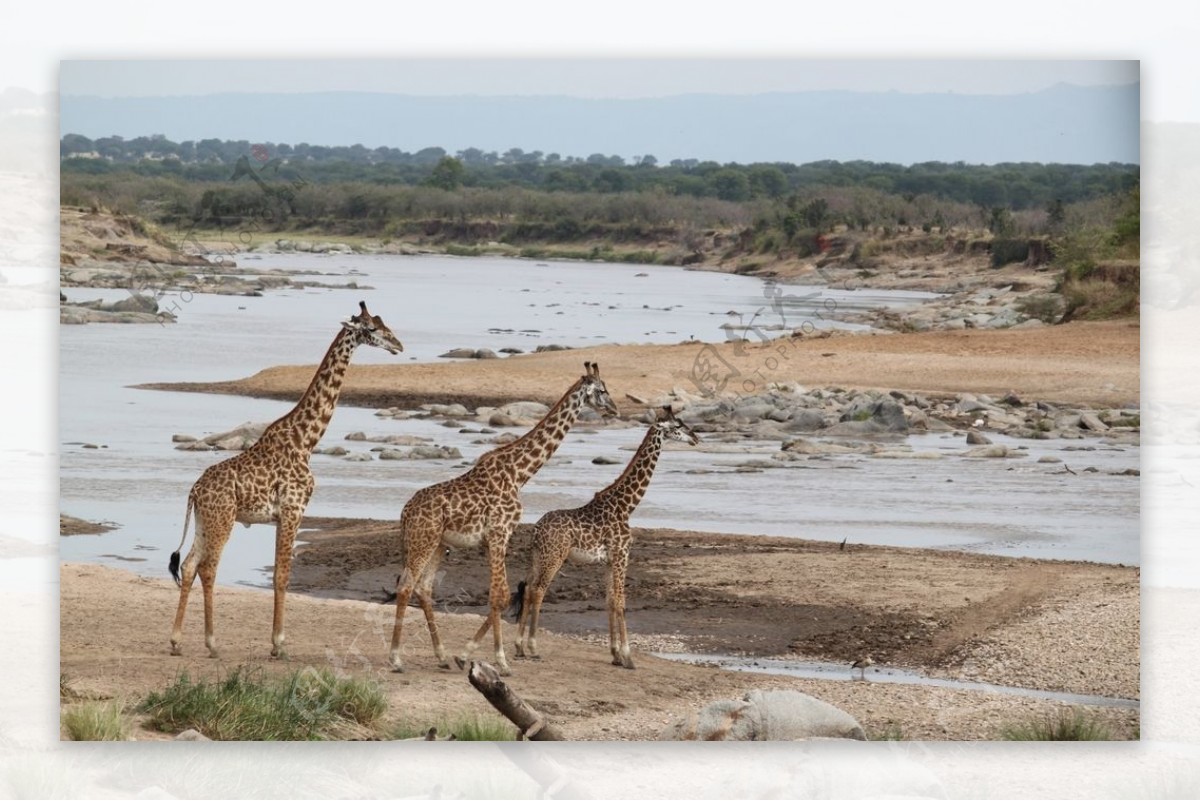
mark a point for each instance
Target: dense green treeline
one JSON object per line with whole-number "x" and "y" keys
{"x": 1014, "y": 186}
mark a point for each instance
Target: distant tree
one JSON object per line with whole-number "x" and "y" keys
{"x": 472, "y": 157}
{"x": 767, "y": 181}
{"x": 448, "y": 174}
{"x": 74, "y": 143}
{"x": 611, "y": 180}
{"x": 429, "y": 155}
{"x": 1056, "y": 214}
{"x": 729, "y": 184}
{"x": 1000, "y": 221}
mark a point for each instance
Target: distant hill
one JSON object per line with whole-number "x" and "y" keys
{"x": 1064, "y": 124}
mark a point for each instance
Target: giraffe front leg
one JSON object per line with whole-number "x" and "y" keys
{"x": 285, "y": 540}
{"x": 620, "y": 650}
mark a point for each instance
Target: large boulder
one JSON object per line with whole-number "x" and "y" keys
{"x": 766, "y": 715}
{"x": 136, "y": 302}
{"x": 880, "y": 414}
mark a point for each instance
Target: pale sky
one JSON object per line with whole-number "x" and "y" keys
{"x": 596, "y": 78}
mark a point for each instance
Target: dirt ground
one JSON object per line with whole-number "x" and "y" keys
{"x": 1083, "y": 362}
{"x": 951, "y": 615}
{"x": 1052, "y": 626}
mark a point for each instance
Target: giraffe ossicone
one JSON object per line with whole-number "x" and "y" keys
{"x": 596, "y": 533}
{"x": 269, "y": 482}
{"x": 482, "y": 508}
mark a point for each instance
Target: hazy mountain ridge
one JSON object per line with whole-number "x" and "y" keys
{"x": 1067, "y": 124}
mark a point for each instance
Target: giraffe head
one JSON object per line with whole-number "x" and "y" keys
{"x": 674, "y": 428}
{"x": 368, "y": 329}
{"x": 595, "y": 394}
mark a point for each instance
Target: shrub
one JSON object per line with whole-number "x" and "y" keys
{"x": 1070, "y": 724}
{"x": 95, "y": 720}
{"x": 465, "y": 727}
{"x": 304, "y": 705}
{"x": 1047, "y": 308}
{"x": 1007, "y": 251}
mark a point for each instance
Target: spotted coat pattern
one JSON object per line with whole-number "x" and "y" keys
{"x": 481, "y": 508}
{"x": 596, "y": 533}
{"x": 269, "y": 482}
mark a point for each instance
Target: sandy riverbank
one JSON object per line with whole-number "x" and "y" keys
{"x": 951, "y": 615}
{"x": 1096, "y": 363}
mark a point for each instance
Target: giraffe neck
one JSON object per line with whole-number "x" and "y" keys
{"x": 527, "y": 455}
{"x": 303, "y": 427}
{"x": 627, "y": 491}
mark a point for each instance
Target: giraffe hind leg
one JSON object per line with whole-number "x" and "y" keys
{"x": 424, "y": 593}
{"x": 187, "y": 579}
{"x": 497, "y": 599}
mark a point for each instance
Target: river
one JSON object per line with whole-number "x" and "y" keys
{"x": 134, "y": 476}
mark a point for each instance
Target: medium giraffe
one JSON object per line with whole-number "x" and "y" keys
{"x": 482, "y": 507}
{"x": 268, "y": 482}
{"x": 597, "y": 532}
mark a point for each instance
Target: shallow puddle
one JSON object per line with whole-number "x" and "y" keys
{"x": 836, "y": 671}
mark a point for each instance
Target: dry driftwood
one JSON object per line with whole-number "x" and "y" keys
{"x": 529, "y": 721}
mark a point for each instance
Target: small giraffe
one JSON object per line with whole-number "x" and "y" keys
{"x": 268, "y": 482}
{"x": 597, "y": 532}
{"x": 482, "y": 507}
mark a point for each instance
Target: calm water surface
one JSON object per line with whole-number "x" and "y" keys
{"x": 136, "y": 478}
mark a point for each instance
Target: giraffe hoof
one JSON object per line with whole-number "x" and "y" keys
{"x": 504, "y": 670}
{"x": 176, "y": 650}
{"x": 462, "y": 663}
{"x": 280, "y": 654}
{"x": 397, "y": 668}
{"x": 214, "y": 654}
{"x": 444, "y": 664}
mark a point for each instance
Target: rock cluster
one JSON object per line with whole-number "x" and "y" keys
{"x": 988, "y": 307}
{"x": 783, "y": 411}
{"x": 237, "y": 439}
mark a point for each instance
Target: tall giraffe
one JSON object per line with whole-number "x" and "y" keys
{"x": 597, "y": 532}
{"x": 268, "y": 482}
{"x": 482, "y": 507}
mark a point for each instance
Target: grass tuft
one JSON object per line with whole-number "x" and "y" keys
{"x": 96, "y": 720}
{"x": 465, "y": 727}
{"x": 304, "y": 705}
{"x": 1069, "y": 724}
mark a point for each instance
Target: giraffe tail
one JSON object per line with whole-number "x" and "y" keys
{"x": 173, "y": 565}
{"x": 517, "y": 604}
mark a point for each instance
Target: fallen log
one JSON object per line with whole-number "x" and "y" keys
{"x": 529, "y": 721}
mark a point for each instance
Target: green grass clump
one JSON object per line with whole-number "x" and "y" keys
{"x": 303, "y": 705}
{"x": 890, "y": 732}
{"x": 1066, "y": 725}
{"x": 465, "y": 727}
{"x": 96, "y": 720}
